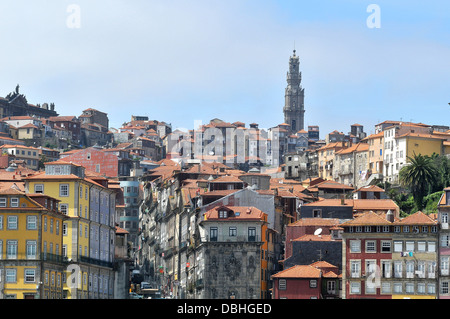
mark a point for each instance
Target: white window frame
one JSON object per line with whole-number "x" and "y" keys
{"x": 355, "y": 288}
{"x": 64, "y": 192}
{"x": 12, "y": 222}
{"x": 14, "y": 202}
{"x": 32, "y": 222}
{"x": 39, "y": 188}
{"x": 369, "y": 248}
{"x": 355, "y": 268}
{"x": 355, "y": 246}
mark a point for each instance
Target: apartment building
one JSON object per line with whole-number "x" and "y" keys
{"x": 388, "y": 258}
{"x": 234, "y": 249}
{"x": 88, "y": 231}
{"x": 32, "y": 265}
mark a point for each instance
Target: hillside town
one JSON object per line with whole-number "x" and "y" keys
{"x": 224, "y": 210}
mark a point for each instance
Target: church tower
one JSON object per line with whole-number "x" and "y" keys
{"x": 294, "y": 108}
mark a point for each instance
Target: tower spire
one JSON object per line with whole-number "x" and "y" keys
{"x": 294, "y": 96}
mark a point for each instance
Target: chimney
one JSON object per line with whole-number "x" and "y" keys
{"x": 390, "y": 216}
{"x": 342, "y": 200}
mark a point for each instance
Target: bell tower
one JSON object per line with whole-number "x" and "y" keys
{"x": 294, "y": 108}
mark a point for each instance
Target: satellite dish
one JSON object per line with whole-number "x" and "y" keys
{"x": 318, "y": 231}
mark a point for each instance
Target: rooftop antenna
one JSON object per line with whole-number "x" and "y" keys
{"x": 320, "y": 254}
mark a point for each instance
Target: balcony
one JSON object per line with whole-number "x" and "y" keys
{"x": 97, "y": 262}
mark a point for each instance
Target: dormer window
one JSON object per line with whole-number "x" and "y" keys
{"x": 223, "y": 214}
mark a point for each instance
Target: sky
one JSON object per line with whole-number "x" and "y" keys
{"x": 185, "y": 61}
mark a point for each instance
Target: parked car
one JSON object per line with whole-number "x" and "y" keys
{"x": 134, "y": 295}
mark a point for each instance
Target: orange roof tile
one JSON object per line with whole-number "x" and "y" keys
{"x": 240, "y": 213}
{"x": 365, "y": 219}
{"x": 417, "y": 218}
{"x": 299, "y": 271}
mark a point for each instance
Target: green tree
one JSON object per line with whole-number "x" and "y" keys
{"x": 419, "y": 176}
{"x": 442, "y": 179}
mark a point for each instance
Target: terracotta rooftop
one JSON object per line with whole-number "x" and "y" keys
{"x": 309, "y": 237}
{"x": 240, "y": 213}
{"x": 315, "y": 222}
{"x": 299, "y": 271}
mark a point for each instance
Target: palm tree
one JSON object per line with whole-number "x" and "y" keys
{"x": 419, "y": 175}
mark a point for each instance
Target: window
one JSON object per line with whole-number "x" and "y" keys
{"x": 213, "y": 232}
{"x": 12, "y": 222}
{"x": 421, "y": 246}
{"x": 282, "y": 284}
{"x": 398, "y": 269}
{"x": 64, "y": 190}
{"x": 251, "y": 234}
{"x": 317, "y": 213}
{"x": 14, "y": 202}
{"x": 444, "y": 240}
{"x": 431, "y": 246}
{"x": 410, "y": 246}
{"x": 421, "y": 288}
{"x": 2, "y": 201}
{"x": 64, "y": 208}
{"x": 409, "y": 288}
{"x": 431, "y": 268}
{"x": 232, "y": 232}
{"x": 370, "y": 287}
{"x": 31, "y": 222}
{"x": 398, "y": 246}
{"x": 410, "y": 269}
{"x": 386, "y": 268}
{"x": 431, "y": 288}
{"x": 386, "y": 288}
{"x": 398, "y": 288}
{"x": 355, "y": 246}
{"x": 421, "y": 268}
{"x": 355, "y": 268}
{"x": 313, "y": 283}
{"x": 444, "y": 265}
{"x": 370, "y": 246}
{"x": 30, "y": 275}
{"x": 11, "y": 275}
{"x": 385, "y": 246}
{"x": 39, "y": 188}
{"x": 355, "y": 287}
{"x": 11, "y": 249}
{"x": 223, "y": 214}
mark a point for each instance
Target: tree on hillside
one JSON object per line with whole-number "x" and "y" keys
{"x": 442, "y": 179}
{"x": 419, "y": 176}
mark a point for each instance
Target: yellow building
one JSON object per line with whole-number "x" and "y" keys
{"x": 326, "y": 158}
{"x": 376, "y": 145}
{"x": 32, "y": 265}
{"x": 425, "y": 144}
{"x": 88, "y": 231}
